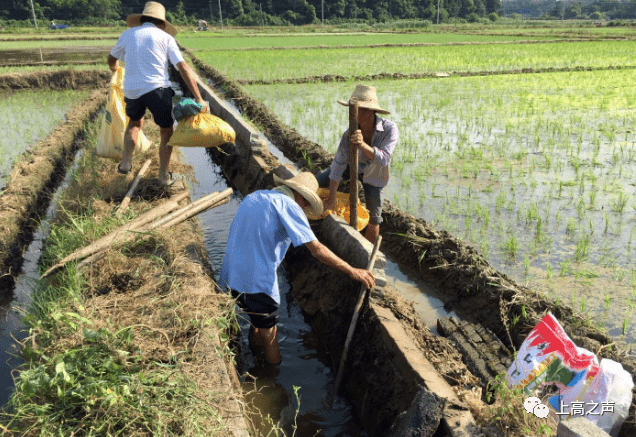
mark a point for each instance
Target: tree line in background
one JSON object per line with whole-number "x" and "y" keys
{"x": 252, "y": 12}
{"x": 300, "y": 12}
{"x": 571, "y": 10}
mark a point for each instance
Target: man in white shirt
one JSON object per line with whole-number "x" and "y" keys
{"x": 146, "y": 49}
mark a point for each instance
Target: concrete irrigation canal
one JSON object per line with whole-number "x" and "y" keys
{"x": 395, "y": 363}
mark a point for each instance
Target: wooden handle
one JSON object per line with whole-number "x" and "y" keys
{"x": 133, "y": 187}
{"x": 353, "y": 168}
{"x": 356, "y": 313}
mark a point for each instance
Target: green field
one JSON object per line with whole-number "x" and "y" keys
{"x": 286, "y": 64}
{"x": 29, "y": 118}
{"x": 202, "y": 42}
{"x": 536, "y": 170}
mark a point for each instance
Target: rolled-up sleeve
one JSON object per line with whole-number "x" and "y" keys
{"x": 384, "y": 149}
{"x": 341, "y": 160}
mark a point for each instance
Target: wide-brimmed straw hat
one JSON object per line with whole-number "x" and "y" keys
{"x": 306, "y": 185}
{"x": 153, "y": 10}
{"x": 365, "y": 97}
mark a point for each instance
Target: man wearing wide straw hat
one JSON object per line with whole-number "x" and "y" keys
{"x": 375, "y": 139}
{"x": 147, "y": 47}
{"x": 266, "y": 223}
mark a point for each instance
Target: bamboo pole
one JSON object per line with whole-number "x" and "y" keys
{"x": 207, "y": 199}
{"x": 353, "y": 167}
{"x": 120, "y": 232}
{"x": 124, "y": 203}
{"x": 179, "y": 216}
{"x": 356, "y": 314}
{"x": 182, "y": 215}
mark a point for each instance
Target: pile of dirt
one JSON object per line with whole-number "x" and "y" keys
{"x": 55, "y": 80}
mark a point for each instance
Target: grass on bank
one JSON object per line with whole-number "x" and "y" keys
{"x": 113, "y": 349}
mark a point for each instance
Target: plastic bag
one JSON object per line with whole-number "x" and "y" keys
{"x": 110, "y": 142}
{"x": 202, "y": 130}
{"x": 342, "y": 208}
{"x": 612, "y": 387}
{"x": 186, "y": 107}
{"x": 548, "y": 357}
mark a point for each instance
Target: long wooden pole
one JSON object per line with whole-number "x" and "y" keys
{"x": 353, "y": 167}
{"x": 118, "y": 233}
{"x": 163, "y": 224}
{"x": 202, "y": 200}
{"x": 356, "y": 314}
{"x": 185, "y": 213}
{"x": 124, "y": 203}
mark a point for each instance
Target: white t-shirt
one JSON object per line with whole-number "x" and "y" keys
{"x": 146, "y": 50}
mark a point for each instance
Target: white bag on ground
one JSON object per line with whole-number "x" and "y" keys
{"x": 110, "y": 142}
{"x": 548, "y": 357}
{"x": 613, "y": 387}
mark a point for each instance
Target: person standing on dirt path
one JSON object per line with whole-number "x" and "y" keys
{"x": 147, "y": 47}
{"x": 376, "y": 139}
{"x": 266, "y": 223}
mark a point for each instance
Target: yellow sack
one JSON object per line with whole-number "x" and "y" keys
{"x": 110, "y": 142}
{"x": 202, "y": 130}
{"x": 342, "y": 208}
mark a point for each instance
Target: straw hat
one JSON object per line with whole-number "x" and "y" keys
{"x": 153, "y": 10}
{"x": 306, "y": 185}
{"x": 365, "y": 97}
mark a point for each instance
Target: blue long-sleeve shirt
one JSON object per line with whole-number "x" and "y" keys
{"x": 376, "y": 171}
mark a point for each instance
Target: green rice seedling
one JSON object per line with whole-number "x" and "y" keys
{"x": 548, "y": 270}
{"x": 582, "y": 249}
{"x": 563, "y": 271}
{"x": 570, "y": 227}
{"x": 582, "y": 304}
{"x": 619, "y": 202}
{"x": 511, "y": 246}
{"x": 526, "y": 266}
{"x": 625, "y": 324}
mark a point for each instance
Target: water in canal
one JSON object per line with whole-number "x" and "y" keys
{"x": 304, "y": 365}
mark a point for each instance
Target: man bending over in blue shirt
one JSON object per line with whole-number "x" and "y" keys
{"x": 266, "y": 223}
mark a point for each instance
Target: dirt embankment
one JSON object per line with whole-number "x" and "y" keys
{"x": 25, "y": 198}
{"x": 474, "y": 289}
{"x": 405, "y": 44}
{"x": 55, "y": 80}
{"x": 59, "y": 37}
{"x": 402, "y": 76}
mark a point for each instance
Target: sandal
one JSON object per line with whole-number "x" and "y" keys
{"x": 121, "y": 171}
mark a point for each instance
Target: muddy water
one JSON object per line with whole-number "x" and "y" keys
{"x": 61, "y": 54}
{"x": 304, "y": 365}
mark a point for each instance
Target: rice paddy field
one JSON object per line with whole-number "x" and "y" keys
{"x": 29, "y": 118}
{"x": 536, "y": 170}
{"x": 526, "y": 151}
